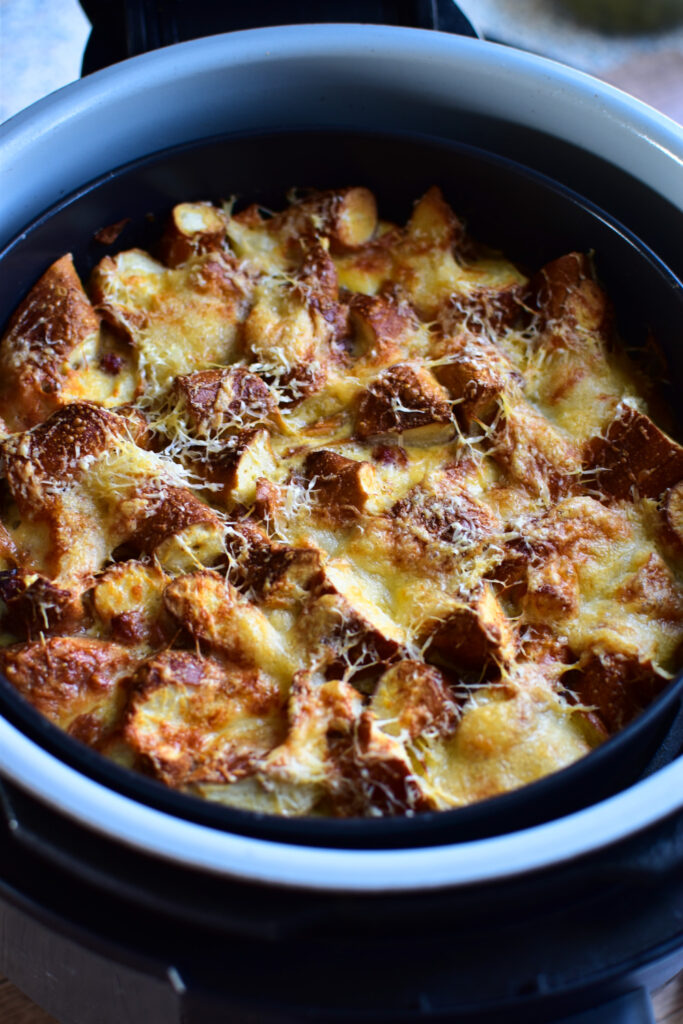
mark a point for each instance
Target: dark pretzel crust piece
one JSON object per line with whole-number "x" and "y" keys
{"x": 635, "y": 457}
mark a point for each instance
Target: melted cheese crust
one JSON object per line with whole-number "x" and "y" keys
{"x": 317, "y": 514}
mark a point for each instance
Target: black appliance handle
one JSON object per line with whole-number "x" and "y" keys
{"x": 121, "y": 30}
{"x": 632, "y": 1008}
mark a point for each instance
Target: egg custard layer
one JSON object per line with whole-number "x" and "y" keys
{"x": 313, "y": 514}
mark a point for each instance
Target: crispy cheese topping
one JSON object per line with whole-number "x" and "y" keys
{"x": 310, "y": 513}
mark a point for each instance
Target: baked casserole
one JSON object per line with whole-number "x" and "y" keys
{"x": 310, "y": 513}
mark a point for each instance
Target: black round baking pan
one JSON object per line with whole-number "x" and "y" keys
{"x": 532, "y": 220}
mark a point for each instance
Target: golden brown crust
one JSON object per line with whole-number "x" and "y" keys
{"x": 347, "y": 217}
{"x": 47, "y": 470}
{"x": 214, "y": 401}
{"x": 33, "y": 606}
{"x": 380, "y": 326}
{"x": 176, "y": 320}
{"x": 552, "y": 591}
{"x": 443, "y": 509}
{"x": 374, "y": 775}
{"x": 652, "y": 590}
{"x": 433, "y": 223}
{"x": 545, "y": 460}
{"x": 414, "y": 698}
{"x": 672, "y": 515}
{"x": 485, "y": 310}
{"x": 317, "y": 284}
{"x": 54, "y": 319}
{"x": 277, "y": 574}
{"x": 56, "y": 451}
{"x": 244, "y": 459}
{"x": 561, "y": 555}
{"x": 336, "y": 754}
{"x": 76, "y": 682}
{"x": 345, "y": 627}
{"x": 213, "y": 612}
{"x": 170, "y": 512}
{"x": 127, "y": 602}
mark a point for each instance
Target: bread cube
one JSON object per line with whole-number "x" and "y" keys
{"x": 476, "y": 374}
{"x": 348, "y": 217}
{"x": 477, "y": 634}
{"x": 196, "y": 719}
{"x": 213, "y": 611}
{"x": 78, "y": 683}
{"x": 342, "y": 485}
{"x": 616, "y": 684}
{"x": 217, "y": 401}
{"x": 54, "y": 321}
{"x": 535, "y": 453}
{"x": 343, "y": 626}
{"x": 381, "y": 328}
{"x": 413, "y": 698}
{"x": 34, "y": 606}
{"x": 565, "y": 290}
{"x": 405, "y": 400}
{"x": 433, "y": 223}
{"x": 127, "y": 599}
{"x": 634, "y": 458}
{"x": 192, "y": 228}
{"x": 172, "y": 524}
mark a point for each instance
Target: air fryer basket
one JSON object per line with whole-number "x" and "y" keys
{"x": 533, "y": 220}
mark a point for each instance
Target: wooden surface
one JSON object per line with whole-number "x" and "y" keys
{"x": 668, "y": 1003}
{"x": 15, "y": 1008}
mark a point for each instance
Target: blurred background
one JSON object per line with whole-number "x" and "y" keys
{"x": 634, "y": 44}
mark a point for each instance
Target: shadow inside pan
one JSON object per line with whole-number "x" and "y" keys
{"x": 532, "y": 220}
